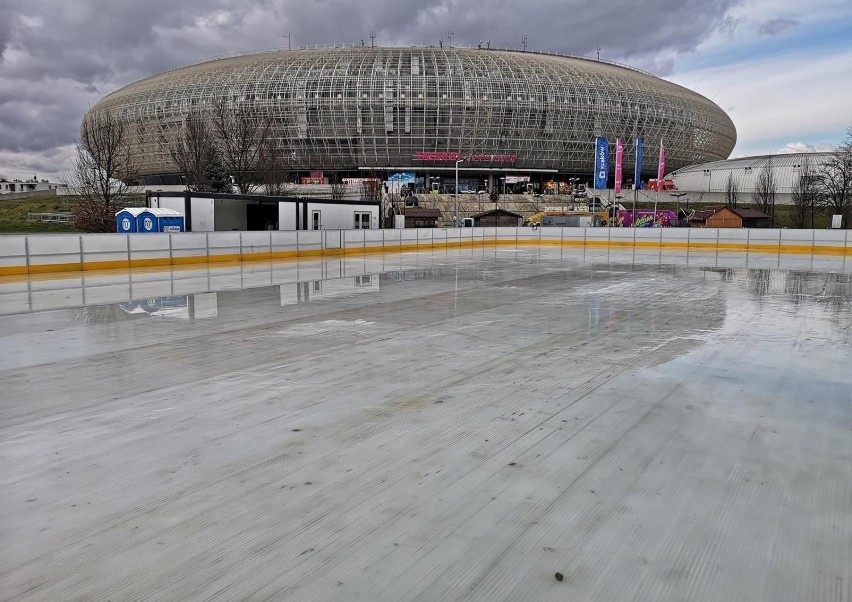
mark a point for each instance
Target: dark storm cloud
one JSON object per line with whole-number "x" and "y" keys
{"x": 60, "y": 58}
{"x": 775, "y": 26}
{"x": 34, "y": 119}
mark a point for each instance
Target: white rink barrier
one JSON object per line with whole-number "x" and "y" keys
{"x": 44, "y": 253}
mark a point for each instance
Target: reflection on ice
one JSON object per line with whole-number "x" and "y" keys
{"x": 159, "y": 306}
{"x": 305, "y": 280}
{"x": 825, "y": 288}
{"x": 303, "y": 292}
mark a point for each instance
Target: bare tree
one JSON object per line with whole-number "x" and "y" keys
{"x": 764, "y": 191}
{"x": 100, "y": 172}
{"x": 338, "y": 188}
{"x": 272, "y": 169}
{"x": 191, "y": 151}
{"x": 836, "y": 180}
{"x": 242, "y": 132}
{"x": 732, "y": 191}
{"x": 805, "y": 195}
{"x": 371, "y": 189}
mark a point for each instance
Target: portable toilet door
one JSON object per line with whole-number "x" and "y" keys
{"x": 147, "y": 221}
{"x": 125, "y": 221}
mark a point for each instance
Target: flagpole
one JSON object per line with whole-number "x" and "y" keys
{"x": 594, "y": 191}
{"x": 595, "y": 168}
{"x": 637, "y": 178}
{"x": 633, "y": 213}
{"x": 619, "y": 173}
{"x": 661, "y": 172}
{"x": 656, "y": 198}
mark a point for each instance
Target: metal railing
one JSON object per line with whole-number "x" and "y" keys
{"x": 49, "y": 217}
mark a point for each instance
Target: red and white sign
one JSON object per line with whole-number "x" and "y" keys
{"x": 427, "y": 156}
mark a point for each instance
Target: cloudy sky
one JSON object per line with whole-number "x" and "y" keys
{"x": 782, "y": 69}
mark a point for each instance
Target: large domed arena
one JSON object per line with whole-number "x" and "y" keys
{"x": 355, "y": 109}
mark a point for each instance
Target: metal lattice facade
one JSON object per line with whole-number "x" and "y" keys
{"x": 350, "y": 108}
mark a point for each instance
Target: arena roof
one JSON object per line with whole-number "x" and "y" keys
{"x": 349, "y": 108}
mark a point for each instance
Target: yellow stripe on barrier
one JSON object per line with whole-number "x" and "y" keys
{"x": 216, "y": 258}
{"x": 231, "y": 258}
{"x": 13, "y": 270}
{"x": 45, "y": 268}
{"x": 152, "y": 262}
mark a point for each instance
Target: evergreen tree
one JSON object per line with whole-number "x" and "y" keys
{"x": 216, "y": 177}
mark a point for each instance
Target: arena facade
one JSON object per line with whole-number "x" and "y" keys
{"x": 354, "y": 110}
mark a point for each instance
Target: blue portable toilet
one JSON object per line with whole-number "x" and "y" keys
{"x": 171, "y": 222}
{"x": 160, "y": 220}
{"x": 125, "y": 220}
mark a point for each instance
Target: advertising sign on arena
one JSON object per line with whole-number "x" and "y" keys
{"x": 400, "y": 181}
{"x": 601, "y": 162}
{"x": 456, "y": 156}
{"x": 401, "y": 177}
{"x": 497, "y": 158}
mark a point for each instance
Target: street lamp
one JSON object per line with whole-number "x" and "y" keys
{"x": 457, "y": 192}
{"x": 613, "y": 222}
{"x": 678, "y": 196}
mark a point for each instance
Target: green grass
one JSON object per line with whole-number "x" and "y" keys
{"x": 13, "y": 215}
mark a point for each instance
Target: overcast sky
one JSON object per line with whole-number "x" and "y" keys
{"x": 782, "y": 69}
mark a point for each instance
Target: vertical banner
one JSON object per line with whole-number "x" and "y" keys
{"x": 601, "y": 162}
{"x": 637, "y": 170}
{"x": 619, "y": 155}
{"x": 661, "y": 169}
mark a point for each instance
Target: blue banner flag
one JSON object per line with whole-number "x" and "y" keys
{"x": 637, "y": 179}
{"x": 601, "y": 162}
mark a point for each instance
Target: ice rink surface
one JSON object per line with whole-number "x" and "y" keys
{"x": 448, "y": 425}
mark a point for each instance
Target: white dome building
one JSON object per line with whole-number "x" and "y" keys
{"x": 707, "y": 182}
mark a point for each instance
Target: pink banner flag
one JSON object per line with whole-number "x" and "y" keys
{"x": 619, "y": 156}
{"x": 661, "y": 170}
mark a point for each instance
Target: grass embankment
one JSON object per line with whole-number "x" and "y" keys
{"x": 13, "y": 215}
